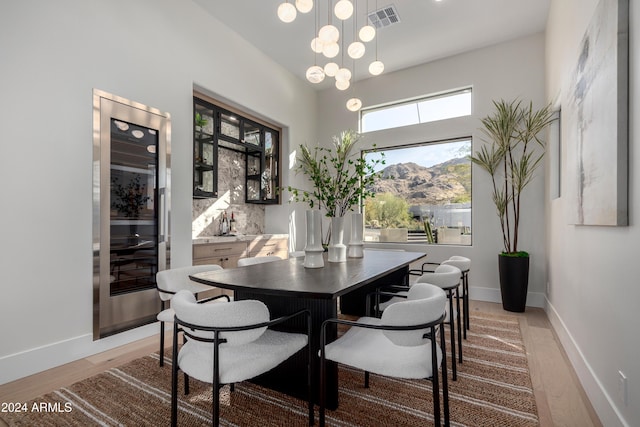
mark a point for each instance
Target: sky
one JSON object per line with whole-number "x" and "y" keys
{"x": 425, "y": 155}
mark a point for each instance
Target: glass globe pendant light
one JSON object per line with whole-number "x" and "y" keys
{"x": 304, "y": 6}
{"x": 315, "y": 74}
{"x": 356, "y": 50}
{"x": 330, "y": 69}
{"x": 343, "y": 9}
{"x": 376, "y": 67}
{"x": 343, "y": 75}
{"x": 329, "y": 34}
{"x": 330, "y": 50}
{"x": 287, "y": 12}
{"x": 367, "y": 33}
{"x": 354, "y": 104}
{"x": 342, "y": 85}
{"x": 317, "y": 45}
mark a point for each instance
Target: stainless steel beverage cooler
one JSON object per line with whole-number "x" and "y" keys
{"x": 131, "y": 169}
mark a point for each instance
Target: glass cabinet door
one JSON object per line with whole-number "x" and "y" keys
{"x": 254, "y": 168}
{"x": 269, "y": 184}
{"x": 205, "y": 153}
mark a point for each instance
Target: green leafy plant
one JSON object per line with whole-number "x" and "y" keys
{"x": 511, "y": 158}
{"x": 388, "y": 211}
{"x": 129, "y": 199}
{"x": 340, "y": 178}
{"x": 201, "y": 121}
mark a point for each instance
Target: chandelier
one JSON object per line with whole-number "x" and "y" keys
{"x": 329, "y": 42}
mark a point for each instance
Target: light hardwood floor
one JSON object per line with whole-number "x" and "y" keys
{"x": 560, "y": 399}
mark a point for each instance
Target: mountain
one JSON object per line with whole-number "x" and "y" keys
{"x": 448, "y": 182}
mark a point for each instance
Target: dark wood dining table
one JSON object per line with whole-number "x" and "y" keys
{"x": 287, "y": 286}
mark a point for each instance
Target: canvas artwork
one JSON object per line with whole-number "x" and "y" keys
{"x": 597, "y": 119}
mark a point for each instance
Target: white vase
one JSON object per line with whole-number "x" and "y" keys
{"x": 313, "y": 249}
{"x": 337, "y": 249}
{"x": 356, "y": 245}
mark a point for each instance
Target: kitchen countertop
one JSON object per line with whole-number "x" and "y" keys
{"x": 237, "y": 238}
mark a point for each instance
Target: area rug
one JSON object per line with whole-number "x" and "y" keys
{"x": 493, "y": 389}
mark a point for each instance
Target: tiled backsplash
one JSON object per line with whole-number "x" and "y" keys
{"x": 231, "y": 190}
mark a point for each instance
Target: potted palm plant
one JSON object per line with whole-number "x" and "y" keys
{"x": 513, "y": 154}
{"x": 340, "y": 177}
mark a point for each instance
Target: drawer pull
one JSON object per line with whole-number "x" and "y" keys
{"x": 222, "y": 249}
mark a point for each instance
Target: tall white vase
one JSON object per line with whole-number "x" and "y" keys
{"x": 313, "y": 249}
{"x": 337, "y": 249}
{"x": 356, "y": 245}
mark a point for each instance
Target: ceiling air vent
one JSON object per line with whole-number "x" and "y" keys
{"x": 384, "y": 17}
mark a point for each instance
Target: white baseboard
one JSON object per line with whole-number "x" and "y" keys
{"x": 29, "y": 362}
{"x": 601, "y": 401}
{"x": 534, "y": 299}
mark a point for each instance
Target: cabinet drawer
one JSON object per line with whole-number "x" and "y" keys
{"x": 217, "y": 250}
{"x": 264, "y": 247}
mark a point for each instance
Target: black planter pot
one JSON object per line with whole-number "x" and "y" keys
{"x": 514, "y": 282}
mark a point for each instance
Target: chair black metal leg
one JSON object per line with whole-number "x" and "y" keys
{"x": 215, "y": 409}
{"x": 366, "y": 379}
{"x": 186, "y": 377}
{"x": 466, "y": 301}
{"x": 459, "y": 328}
{"x": 309, "y": 372}
{"x": 452, "y": 331}
{"x": 174, "y": 381}
{"x": 323, "y": 387}
{"x": 464, "y": 310}
{"x": 161, "y": 344}
{"x": 434, "y": 379}
{"x": 215, "y": 420}
{"x": 445, "y": 381}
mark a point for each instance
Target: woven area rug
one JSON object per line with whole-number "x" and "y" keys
{"x": 493, "y": 389}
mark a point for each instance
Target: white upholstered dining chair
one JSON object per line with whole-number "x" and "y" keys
{"x": 446, "y": 277}
{"x": 464, "y": 264}
{"x": 400, "y": 344}
{"x": 171, "y": 281}
{"x": 229, "y": 343}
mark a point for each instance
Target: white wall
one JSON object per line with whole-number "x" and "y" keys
{"x": 593, "y": 285}
{"x": 507, "y": 71}
{"x": 53, "y": 55}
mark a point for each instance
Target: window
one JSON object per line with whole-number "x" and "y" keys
{"x": 421, "y": 110}
{"x": 423, "y": 195}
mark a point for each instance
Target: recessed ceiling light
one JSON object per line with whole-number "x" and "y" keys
{"x": 137, "y": 133}
{"x": 121, "y": 125}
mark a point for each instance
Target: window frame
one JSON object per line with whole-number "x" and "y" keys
{"x": 468, "y": 138}
{"x": 416, "y": 101}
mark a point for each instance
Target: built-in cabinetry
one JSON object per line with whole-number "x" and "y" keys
{"x": 216, "y": 128}
{"x": 267, "y": 247}
{"x": 227, "y": 253}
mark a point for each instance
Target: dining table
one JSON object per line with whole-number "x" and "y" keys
{"x": 337, "y": 288}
